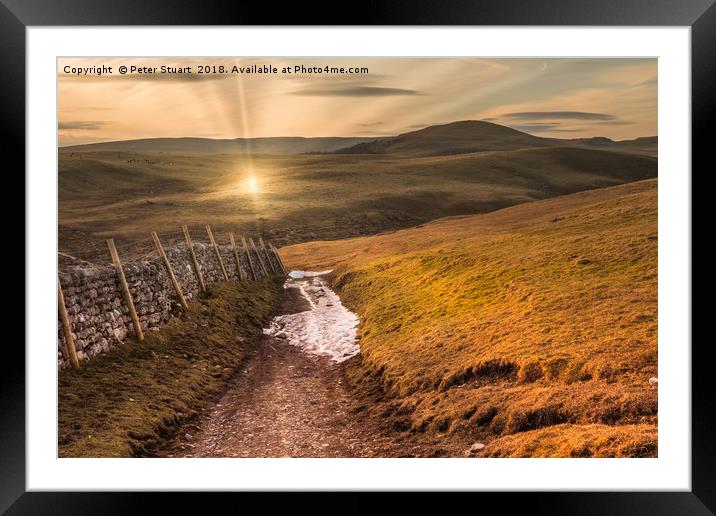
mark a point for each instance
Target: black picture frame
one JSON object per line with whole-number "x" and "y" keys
{"x": 17, "y": 15}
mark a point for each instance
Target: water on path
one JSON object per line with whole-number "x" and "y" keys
{"x": 327, "y": 328}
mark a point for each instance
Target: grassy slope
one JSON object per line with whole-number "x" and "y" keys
{"x": 127, "y": 401}
{"x": 532, "y": 324}
{"x": 307, "y": 198}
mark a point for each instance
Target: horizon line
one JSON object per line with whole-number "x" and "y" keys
{"x": 378, "y": 136}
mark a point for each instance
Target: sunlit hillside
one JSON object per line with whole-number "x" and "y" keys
{"x": 531, "y": 328}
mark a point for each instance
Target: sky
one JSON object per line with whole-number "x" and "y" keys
{"x": 559, "y": 98}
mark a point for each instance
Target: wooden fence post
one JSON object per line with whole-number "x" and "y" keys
{"x": 165, "y": 259}
{"x": 258, "y": 256}
{"x": 125, "y": 290}
{"x": 194, "y": 261}
{"x": 218, "y": 253}
{"x": 66, "y": 328}
{"x": 248, "y": 257}
{"x": 268, "y": 258}
{"x": 278, "y": 258}
{"x": 242, "y": 276}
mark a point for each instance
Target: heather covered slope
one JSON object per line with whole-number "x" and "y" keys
{"x": 532, "y": 328}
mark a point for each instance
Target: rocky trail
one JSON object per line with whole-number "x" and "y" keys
{"x": 291, "y": 397}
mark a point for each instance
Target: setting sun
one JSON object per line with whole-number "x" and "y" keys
{"x": 251, "y": 184}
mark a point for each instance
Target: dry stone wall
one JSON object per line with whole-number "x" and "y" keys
{"x": 98, "y": 314}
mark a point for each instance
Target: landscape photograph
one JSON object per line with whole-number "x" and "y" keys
{"x": 357, "y": 257}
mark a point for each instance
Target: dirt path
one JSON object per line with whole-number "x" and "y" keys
{"x": 287, "y": 402}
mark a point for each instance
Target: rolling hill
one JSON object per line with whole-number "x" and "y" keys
{"x": 532, "y": 329}
{"x": 647, "y": 145}
{"x": 454, "y": 138}
{"x": 470, "y": 136}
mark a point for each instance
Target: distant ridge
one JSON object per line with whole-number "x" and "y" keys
{"x": 643, "y": 145}
{"x": 469, "y": 136}
{"x": 463, "y": 137}
{"x": 277, "y": 145}
{"x": 454, "y": 138}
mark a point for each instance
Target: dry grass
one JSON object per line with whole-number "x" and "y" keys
{"x": 543, "y": 315}
{"x": 579, "y": 441}
{"x": 128, "y": 401}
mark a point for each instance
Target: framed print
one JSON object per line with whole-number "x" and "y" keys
{"x": 440, "y": 248}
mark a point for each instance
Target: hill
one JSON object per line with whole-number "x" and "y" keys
{"x": 532, "y": 329}
{"x": 647, "y": 145}
{"x": 454, "y": 138}
{"x": 308, "y": 197}
{"x": 463, "y": 137}
{"x": 277, "y": 145}
{"x": 470, "y": 136}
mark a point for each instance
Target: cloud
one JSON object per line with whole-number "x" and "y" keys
{"x": 371, "y": 124}
{"x": 84, "y": 109}
{"x": 535, "y": 128}
{"x": 653, "y": 82}
{"x": 558, "y": 115}
{"x": 615, "y": 122}
{"x": 89, "y": 125}
{"x": 355, "y": 91}
{"x": 544, "y": 127}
